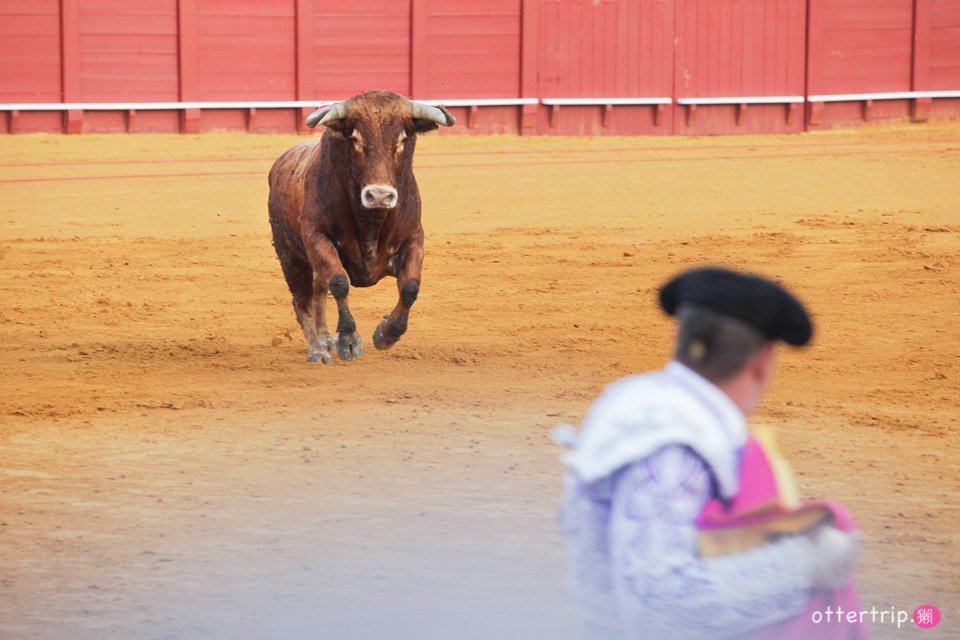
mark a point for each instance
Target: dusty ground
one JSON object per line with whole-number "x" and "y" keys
{"x": 173, "y": 468}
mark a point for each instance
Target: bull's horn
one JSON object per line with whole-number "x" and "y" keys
{"x": 323, "y": 115}
{"x": 439, "y": 114}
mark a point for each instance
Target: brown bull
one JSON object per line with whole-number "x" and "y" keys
{"x": 345, "y": 210}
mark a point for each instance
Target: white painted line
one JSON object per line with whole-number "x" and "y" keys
{"x": 280, "y": 104}
{"x": 561, "y": 102}
{"x": 158, "y": 106}
{"x": 887, "y": 95}
{"x": 482, "y": 102}
{"x": 477, "y": 102}
{"x": 938, "y": 94}
{"x": 742, "y": 100}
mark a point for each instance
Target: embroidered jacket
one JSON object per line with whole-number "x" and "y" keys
{"x": 653, "y": 450}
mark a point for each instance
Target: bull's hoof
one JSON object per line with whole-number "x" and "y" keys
{"x": 320, "y": 350}
{"x": 379, "y": 341}
{"x": 319, "y": 356}
{"x": 349, "y": 346}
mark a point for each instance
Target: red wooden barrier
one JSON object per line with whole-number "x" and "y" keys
{"x": 356, "y": 46}
{"x": 246, "y": 51}
{"x": 30, "y": 61}
{"x": 740, "y": 65}
{"x": 860, "y": 47}
{"x": 469, "y": 49}
{"x": 603, "y": 51}
{"x": 70, "y": 48}
{"x": 125, "y": 52}
{"x": 943, "y": 54}
{"x": 590, "y": 66}
{"x": 938, "y": 40}
{"x": 464, "y": 49}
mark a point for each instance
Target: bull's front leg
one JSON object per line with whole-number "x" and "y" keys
{"x": 330, "y": 276}
{"x": 408, "y": 283}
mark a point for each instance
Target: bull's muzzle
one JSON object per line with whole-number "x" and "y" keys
{"x": 378, "y": 196}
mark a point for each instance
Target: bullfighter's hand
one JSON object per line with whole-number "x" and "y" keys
{"x": 835, "y": 553}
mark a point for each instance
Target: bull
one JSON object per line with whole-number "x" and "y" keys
{"x": 345, "y": 211}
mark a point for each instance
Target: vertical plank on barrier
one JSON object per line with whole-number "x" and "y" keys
{"x": 70, "y": 61}
{"x": 683, "y": 116}
{"x": 529, "y": 54}
{"x": 628, "y": 78}
{"x": 814, "y": 63}
{"x": 419, "y": 48}
{"x": 304, "y": 58}
{"x": 187, "y": 62}
{"x": 920, "y": 63}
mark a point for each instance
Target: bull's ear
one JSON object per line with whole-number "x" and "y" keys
{"x": 340, "y": 126}
{"x": 427, "y": 117}
{"x": 422, "y": 126}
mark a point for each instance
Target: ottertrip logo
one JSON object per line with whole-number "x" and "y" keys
{"x": 926, "y": 616}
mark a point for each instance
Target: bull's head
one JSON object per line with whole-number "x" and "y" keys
{"x": 379, "y": 131}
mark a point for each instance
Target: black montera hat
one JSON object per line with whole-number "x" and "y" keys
{"x": 760, "y": 303}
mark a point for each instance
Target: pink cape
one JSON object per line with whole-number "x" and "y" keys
{"x": 764, "y": 508}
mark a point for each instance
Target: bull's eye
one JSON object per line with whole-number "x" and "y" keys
{"x": 357, "y": 140}
{"x": 401, "y": 141}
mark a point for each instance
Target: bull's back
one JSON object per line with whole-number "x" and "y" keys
{"x": 286, "y": 180}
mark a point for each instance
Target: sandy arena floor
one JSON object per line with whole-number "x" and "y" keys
{"x": 173, "y": 468}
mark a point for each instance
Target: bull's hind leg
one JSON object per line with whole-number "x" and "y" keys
{"x": 318, "y": 346}
{"x": 299, "y": 279}
{"x": 408, "y": 282}
{"x": 320, "y": 319}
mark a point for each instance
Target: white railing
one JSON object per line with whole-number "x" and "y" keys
{"x": 473, "y": 104}
{"x": 256, "y": 104}
{"x": 742, "y": 100}
{"x": 888, "y": 95}
{"x": 577, "y": 102}
{"x": 480, "y": 102}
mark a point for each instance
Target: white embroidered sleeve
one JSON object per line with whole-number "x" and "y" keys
{"x": 662, "y": 586}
